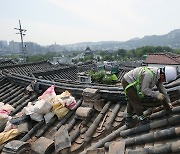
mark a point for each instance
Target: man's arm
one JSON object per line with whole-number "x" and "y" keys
{"x": 166, "y": 99}
{"x": 163, "y": 90}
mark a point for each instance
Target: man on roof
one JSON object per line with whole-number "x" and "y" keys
{"x": 138, "y": 84}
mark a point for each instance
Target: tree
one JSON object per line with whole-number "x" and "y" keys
{"x": 41, "y": 57}
{"x": 108, "y": 57}
{"x": 139, "y": 52}
{"x": 122, "y": 52}
{"x": 103, "y": 53}
{"x": 167, "y": 49}
{"x": 159, "y": 49}
{"x": 177, "y": 51}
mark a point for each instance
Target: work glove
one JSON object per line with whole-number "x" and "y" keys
{"x": 160, "y": 97}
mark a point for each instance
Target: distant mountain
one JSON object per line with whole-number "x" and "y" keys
{"x": 103, "y": 45}
{"x": 134, "y": 39}
{"x": 172, "y": 39}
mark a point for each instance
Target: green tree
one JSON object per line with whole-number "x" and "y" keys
{"x": 108, "y": 57}
{"x": 159, "y": 49}
{"x": 41, "y": 57}
{"x": 89, "y": 57}
{"x": 103, "y": 53}
{"x": 177, "y": 51}
{"x": 122, "y": 53}
{"x": 139, "y": 52}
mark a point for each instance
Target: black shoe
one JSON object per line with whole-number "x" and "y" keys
{"x": 144, "y": 121}
{"x": 128, "y": 121}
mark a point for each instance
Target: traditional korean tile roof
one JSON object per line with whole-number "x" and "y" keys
{"x": 7, "y": 62}
{"x": 103, "y": 131}
{"x": 122, "y": 72}
{"x": 162, "y": 58}
{"x": 86, "y": 67}
{"x": 64, "y": 72}
{"x": 27, "y": 68}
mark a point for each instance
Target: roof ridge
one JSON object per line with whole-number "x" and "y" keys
{"x": 172, "y": 58}
{"x": 167, "y": 55}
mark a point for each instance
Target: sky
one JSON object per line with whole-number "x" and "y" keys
{"x": 71, "y": 21}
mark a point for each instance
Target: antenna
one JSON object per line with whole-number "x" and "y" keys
{"x": 22, "y": 33}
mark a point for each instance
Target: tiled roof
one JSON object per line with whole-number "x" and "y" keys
{"x": 177, "y": 58}
{"x": 86, "y": 67}
{"x": 75, "y": 88}
{"x": 122, "y": 71}
{"x": 101, "y": 132}
{"x": 27, "y": 68}
{"x": 7, "y": 62}
{"x": 64, "y": 72}
{"x": 104, "y": 130}
{"x": 162, "y": 58}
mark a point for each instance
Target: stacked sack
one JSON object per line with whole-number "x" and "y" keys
{"x": 63, "y": 103}
{"x": 7, "y": 130}
{"x": 5, "y": 110}
{"x": 49, "y": 104}
{"x": 42, "y": 106}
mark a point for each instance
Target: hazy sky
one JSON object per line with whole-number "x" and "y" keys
{"x": 72, "y": 21}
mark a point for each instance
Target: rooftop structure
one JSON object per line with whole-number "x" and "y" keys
{"x": 96, "y": 127}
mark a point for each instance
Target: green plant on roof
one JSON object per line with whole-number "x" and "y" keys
{"x": 97, "y": 76}
{"x": 102, "y": 77}
{"x": 90, "y": 72}
{"x": 109, "y": 79}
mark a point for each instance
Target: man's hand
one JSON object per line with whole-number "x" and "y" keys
{"x": 170, "y": 106}
{"x": 160, "y": 97}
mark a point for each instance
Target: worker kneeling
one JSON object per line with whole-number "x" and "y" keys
{"x": 138, "y": 84}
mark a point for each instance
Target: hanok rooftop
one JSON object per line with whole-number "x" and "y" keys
{"x": 86, "y": 118}
{"x": 163, "y": 58}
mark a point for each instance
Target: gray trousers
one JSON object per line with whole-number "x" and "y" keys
{"x": 134, "y": 102}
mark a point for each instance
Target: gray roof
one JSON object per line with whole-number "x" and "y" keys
{"x": 101, "y": 132}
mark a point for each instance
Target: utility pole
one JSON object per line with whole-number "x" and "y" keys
{"x": 22, "y": 33}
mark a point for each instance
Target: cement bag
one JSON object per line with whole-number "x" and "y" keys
{"x": 9, "y": 125}
{"x": 57, "y": 99}
{"x": 48, "y": 95}
{"x": 65, "y": 95}
{"x": 48, "y": 117}
{"x": 3, "y": 124}
{"x": 42, "y": 107}
{"x": 70, "y": 102}
{"x": 4, "y": 118}
{"x": 6, "y": 136}
{"x": 36, "y": 116}
{"x": 30, "y": 110}
{"x": 1, "y": 104}
{"x": 60, "y": 110}
{"x": 6, "y": 107}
